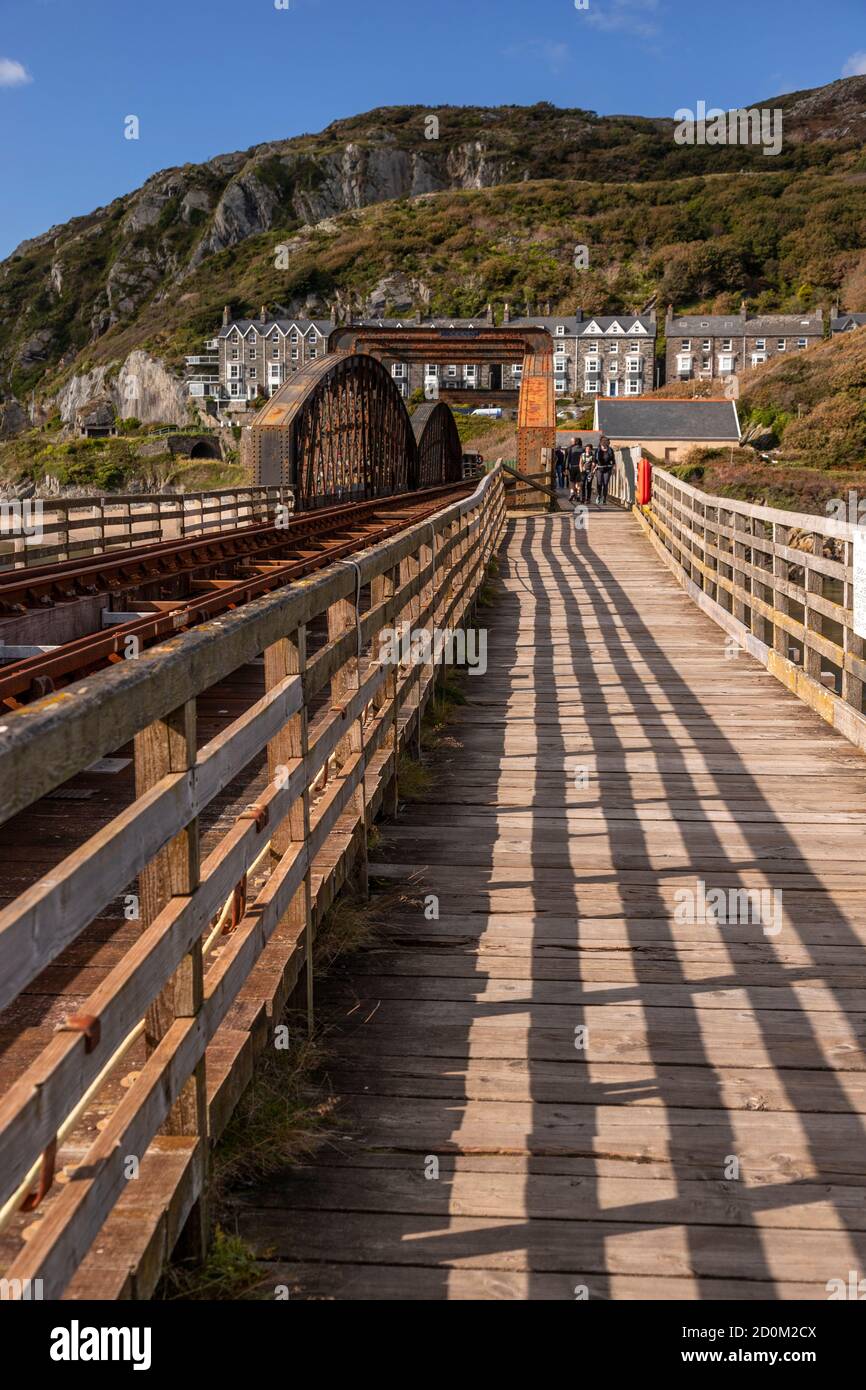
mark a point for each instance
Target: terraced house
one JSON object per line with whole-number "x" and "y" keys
{"x": 255, "y": 356}
{"x": 713, "y": 347}
{"x": 602, "y": 355}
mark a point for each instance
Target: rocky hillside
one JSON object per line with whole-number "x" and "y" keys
{"x": 374, "y": 213}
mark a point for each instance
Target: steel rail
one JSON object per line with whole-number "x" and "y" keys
{"x": 38, "y": 675}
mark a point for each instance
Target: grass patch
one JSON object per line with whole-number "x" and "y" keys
{"x": 280, "y": 1118}
{"x": 229, "y": 1271}
{"x": 414, "y": 780}
{"x": 349, "y": 924}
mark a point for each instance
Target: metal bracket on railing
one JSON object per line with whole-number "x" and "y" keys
{"x": 88, "y": 1024}
{"x": 46, "y": 1178}
{"x": 257, "y": 812}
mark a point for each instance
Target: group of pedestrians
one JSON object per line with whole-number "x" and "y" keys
{"x": 582, "y": 465}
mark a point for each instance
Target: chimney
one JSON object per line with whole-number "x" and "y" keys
{"x": 263, "y": 314}
{"x": 835, "y": 311}
{"x": 547, "y": 308}
{"x": 506, "y": 314}
{"x": 578, "y": 314}
{"x": 744, "y": 308}
{"x": 227, "y": 316}
{"x": 669, "y": 314}
{"x": 490, "y": 319}
{"x": 417, "y": 315}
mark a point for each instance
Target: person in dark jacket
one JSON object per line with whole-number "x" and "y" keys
{"x": 573, "y": 467}
{"x": 605, "y": 460}
{"x": 559, "y": 466}
{"x": 587, "y": 473}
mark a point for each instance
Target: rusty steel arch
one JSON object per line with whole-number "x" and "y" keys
{"x": 336, "y": 430}
{"x": 440, "y": 453}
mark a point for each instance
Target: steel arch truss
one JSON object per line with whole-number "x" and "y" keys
{"x": 440, "y": 453}
{"x": 338, "y": 430}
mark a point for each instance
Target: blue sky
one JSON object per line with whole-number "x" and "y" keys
{"x": 208, "y": 76}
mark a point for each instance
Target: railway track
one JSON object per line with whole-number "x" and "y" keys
{"x": 207, "y": 576}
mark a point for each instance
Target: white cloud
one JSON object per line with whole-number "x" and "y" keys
{"x": 13, "y": 74}
{"x": 628, "y": 16}
{"x": 856, "y": 65}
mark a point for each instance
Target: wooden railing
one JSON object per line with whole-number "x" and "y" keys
{"x": 781, "y": 583}
{"x": 329, "y": 767}
{"x": 72, "y": 526}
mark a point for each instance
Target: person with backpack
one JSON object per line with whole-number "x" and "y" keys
{"x": 605, "y": 461}
{"x": 587, "y": 472}
{"x": 573, "y": 467}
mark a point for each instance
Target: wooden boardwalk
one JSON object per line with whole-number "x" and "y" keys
{"x": 614, "y": 755}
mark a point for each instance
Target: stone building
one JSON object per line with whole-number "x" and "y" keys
{"x": 713, "y": 347}
{"x": 598, "y": 355}
{"x": 255, "y": 356}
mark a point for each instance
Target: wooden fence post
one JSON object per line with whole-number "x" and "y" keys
{"x": 288, "y": 657}
{"x": 342, "y": 617}
{"x": 166, "y": 746}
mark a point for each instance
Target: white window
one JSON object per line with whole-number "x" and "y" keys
{"x": 236, "y": 388}
{"x": 560, "y": 330}
{"x": 293, "y": 336}
{"x": 706, "y": 364}
{"x": 274, "y": 371}
{"x": 235, "y": 372}
{"x": 311, "y": 352}
{"x": 590, "y": 385}
{"x": 758, "y": 358}
{"x": 707, "y": 345}
{"x": 686, "y": 344}
{"x": 632, "y": 388}
{"x": 558, "y": 362}
{"x": 781, "y": 344}
{"x": 452, "y": 369}
{"x": 591, "y": 361}
{"x": 727, "y": 345}
{"x": 726, "y": 362}
{"x": 801, "y": 342}
{"x": 469, "y": 371}
{"x": 294, "y": 354}
{"x": 684, "y": 362}
{"x": 252, "y": 374}
{"x": 431, "y": 371}
{"x": 559, "y": 384}
{"x": 613, "y": 348}
{"x": 234, "y": 354}
{"x": 760, "y": 344}
{"x": 398, "y": 369}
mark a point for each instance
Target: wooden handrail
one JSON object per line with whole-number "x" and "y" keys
{"x": 429, "y": 575}
{"x": 780, "y": 582}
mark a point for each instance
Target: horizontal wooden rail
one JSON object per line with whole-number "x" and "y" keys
{"x": 71, "y": 527}
{"x": 779, "y": 582}
{"x": 428, "y": 575}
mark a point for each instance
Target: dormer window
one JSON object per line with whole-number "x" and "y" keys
{"x": 560, "y": 330}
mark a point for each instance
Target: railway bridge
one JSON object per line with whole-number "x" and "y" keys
{"x": 608, "y": 1041}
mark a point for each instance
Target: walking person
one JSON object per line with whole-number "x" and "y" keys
{"x": 573, "y": 467}
{"x": 559, "y": 466}
{"x": 605, "y": 461}
{"x": 587, "y": 472}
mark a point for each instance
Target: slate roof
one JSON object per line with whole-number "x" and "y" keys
{"x": 576, "y": 328}
{"x": 846, "y": 322}
{"x": 720, "y": 326}
{"x": 286, "y": 325}
{"x": 787, "y": 325}
{"x": 644, "y": 418}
